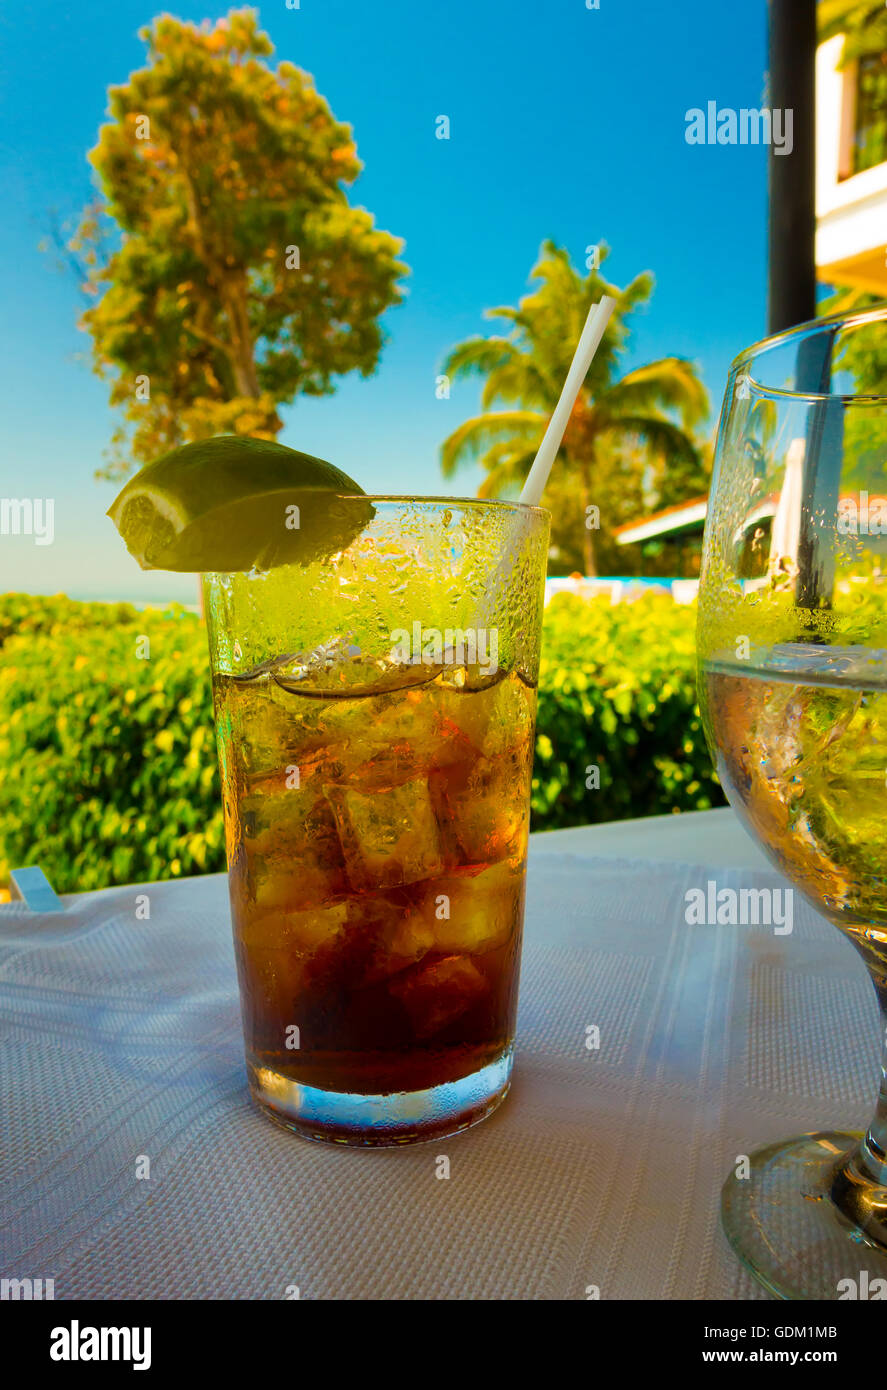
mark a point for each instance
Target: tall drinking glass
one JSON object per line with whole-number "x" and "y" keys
{"x": 792, "y": 646}
{"x": 375, "y": 713}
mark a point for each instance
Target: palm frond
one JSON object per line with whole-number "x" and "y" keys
{"x": 475, "y": 436}
{"x": 658, "y": 435}
{"x": 502, "y": 311}
{"x": 478, "y": 356}
{"x": 506, "y": 469}
{"x": 671, "y": 383}
{"x": 637, "y": 292}
{"x": 517, "y": 380}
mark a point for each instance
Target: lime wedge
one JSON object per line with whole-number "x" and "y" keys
{"x": 236, "y": 503}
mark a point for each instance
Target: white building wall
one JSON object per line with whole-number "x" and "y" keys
{"x": 851, "y": 212}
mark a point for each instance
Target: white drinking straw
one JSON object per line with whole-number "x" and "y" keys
{"x": 589, "y": 341}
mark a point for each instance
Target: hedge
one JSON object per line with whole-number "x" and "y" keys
{"x": 107, "y": 755}
{"x": 617, "y": 693}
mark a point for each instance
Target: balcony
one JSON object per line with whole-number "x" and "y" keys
{"x": 851, "y": 170}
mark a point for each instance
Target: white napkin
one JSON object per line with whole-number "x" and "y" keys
{"x": 120, "y": 1039}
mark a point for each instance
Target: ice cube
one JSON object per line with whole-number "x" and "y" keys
{"x": 474, "y": 913}
{"x": 400, "y": 934}
{"x": 436, "y": 995}
{"x": 294, "y": 931}
{"x": 267, "y": 729}
{"x": 372, "y": 938}
{"x": 388, "y": 838}
{"x": 378, "y": 743}
{"x": 483, "y": 807}
{"x": 388, "y": 741}
{"x": 292, "y": 852}
{"x": 375, "y": 735}
{"x": 494, "y": 717}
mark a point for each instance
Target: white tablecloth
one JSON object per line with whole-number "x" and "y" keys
{"x": 120, "y": 1040}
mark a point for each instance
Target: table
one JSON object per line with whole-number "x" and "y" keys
{"x": 701, "y": 837}
{"x": 134, "y": 1166}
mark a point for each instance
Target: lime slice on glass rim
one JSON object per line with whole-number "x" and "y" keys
{"x": 237, "y": 503}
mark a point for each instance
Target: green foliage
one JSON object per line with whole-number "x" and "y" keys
{"x": 108, "y": 762}
{"x": 108, "y": 759}
{"x": 617, "y": 690}
{"x": 32, "y": 613}
{"x": 241, "y": 276}
{"x": 862, "y": 22}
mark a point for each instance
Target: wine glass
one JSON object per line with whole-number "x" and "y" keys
{"x": 792, "y": 653}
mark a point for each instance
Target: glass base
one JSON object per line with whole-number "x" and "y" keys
{"x": 783, "y": 1223}
{"x": 339, "y": 1117}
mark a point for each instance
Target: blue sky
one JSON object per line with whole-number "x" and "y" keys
{"x": 566, "y": 122}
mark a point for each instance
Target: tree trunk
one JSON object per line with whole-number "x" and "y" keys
{"x": 242, "y": 352}
{"x": 232, "y": 290}
{"x": 242, "y": 347}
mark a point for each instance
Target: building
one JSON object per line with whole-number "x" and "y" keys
{"x": 851, "y": 170}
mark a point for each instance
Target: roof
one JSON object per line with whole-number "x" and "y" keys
{"x": 688, "y": 518}
{"x": 685, "y": 517}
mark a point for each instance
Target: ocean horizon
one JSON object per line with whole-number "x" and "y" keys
{"x": 136, "y": 602}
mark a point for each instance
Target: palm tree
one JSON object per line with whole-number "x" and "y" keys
{"x": 652, "y": 408}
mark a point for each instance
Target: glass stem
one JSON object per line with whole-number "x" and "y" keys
{"x": 859, "y": 1188}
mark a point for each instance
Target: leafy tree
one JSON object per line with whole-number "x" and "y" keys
{"x": 241, "y": 276}
{"x": 624, "y": 435}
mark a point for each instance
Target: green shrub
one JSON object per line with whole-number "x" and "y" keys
{"x": 108, "y": 764}
{"x": 107, "y": 752}
{"x": 617, "y": 691}
{"x": 23, "y": 613}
